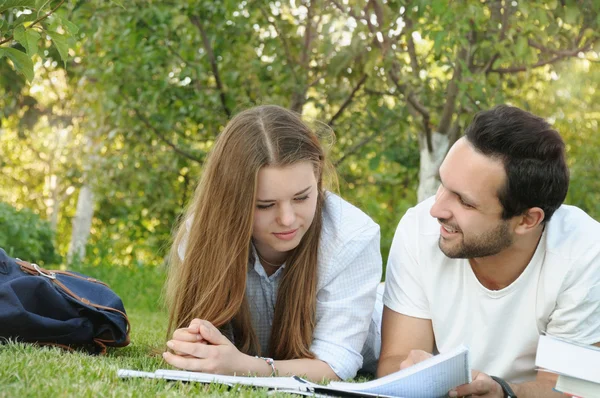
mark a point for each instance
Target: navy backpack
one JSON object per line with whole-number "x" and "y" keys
{"x": 59, "y": 308}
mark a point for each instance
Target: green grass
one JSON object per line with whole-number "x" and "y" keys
{"x": 30, "y": 371}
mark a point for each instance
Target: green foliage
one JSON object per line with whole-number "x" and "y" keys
{"x": 28, "y": 39}
{"x": 21, "y": 61}
{"x": 140, "y": 286}
{"x": 148, "y": 85}
{"x": 23, "y": 234}
{"x": 23, "y": 23}
{"x": 569, "y": 101}
{"x": 7, "y": 4}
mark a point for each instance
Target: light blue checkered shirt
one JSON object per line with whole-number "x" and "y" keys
{"x": 349, "y": 272}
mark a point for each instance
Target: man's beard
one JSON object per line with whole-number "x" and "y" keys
{"x": 487, "y": 244}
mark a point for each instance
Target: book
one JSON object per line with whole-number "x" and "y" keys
{"x": 431, "y": 378}
{"x": 577, "y": 387}
{"x": 568, "y": 358}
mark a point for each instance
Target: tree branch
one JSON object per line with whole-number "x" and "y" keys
{"x": 414, "y": 102}
{"x": 195, "y": 81}
{"x": 545, "y": 49}
{"x": 348, "y": 100}
{"x": 562, "y": 55}
{"x": 500, "y": 13}
{"x": 213, "y": 63}
{"x": 452, "y": 93}
{"x": 488, "y": 66}
{"x": 410, "y": 43}
{"x": 392, "y": 73}
{"x": 167, "y": 43}
{"x": 349, "y": 10}
{"x": 308, "y": 38}
{"x": 473, "y": 101}
{"x": 505, "y": 15}
{"x": 175, "y": 148}
{"x": 34, "y": 22}
{"x": 453, "y": 133}
{"x": 372, "y": 29}
{"x": 316, "y": 80}
{"x": 299, "y": 94}
{"x": 355, "y": 149}
{"x": 286, "y": 48}
{"x": 380, "y": 93}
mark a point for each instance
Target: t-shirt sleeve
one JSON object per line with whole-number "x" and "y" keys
{"x": 404, "y": 291}
{"x": 577, "y": 313}
{"x": 345, "y": 304}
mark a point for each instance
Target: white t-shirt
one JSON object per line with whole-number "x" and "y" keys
{"x": 348, "y": 273}
{"x": 558, "y": 293}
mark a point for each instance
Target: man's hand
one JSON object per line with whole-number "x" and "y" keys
{"x": 481, "y": 386}
{"x": 202, "y": 348}
{"x": 414, "y": 357}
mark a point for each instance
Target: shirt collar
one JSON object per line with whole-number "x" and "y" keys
{"x": 256, "y": 266}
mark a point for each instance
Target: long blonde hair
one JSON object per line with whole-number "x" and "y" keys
{"x": 210, "y": 282}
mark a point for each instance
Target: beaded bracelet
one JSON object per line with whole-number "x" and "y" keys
{"x": 269, "y": 362}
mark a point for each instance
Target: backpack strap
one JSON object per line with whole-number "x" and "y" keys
{"x": 36, "y": 270}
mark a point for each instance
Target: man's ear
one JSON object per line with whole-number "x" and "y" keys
{"x": 529, "y": 220}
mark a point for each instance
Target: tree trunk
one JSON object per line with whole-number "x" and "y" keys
{"x": 82, "y": 223}
{"x": 298, "y": 101}
{"x": 430, "y": 164}
{"x": 54, "y": 202}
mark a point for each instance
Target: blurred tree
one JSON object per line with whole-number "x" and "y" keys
{"x": 24, "y": 23}
{"x": 569, "y": 99}
{"x": 38, "y": 143}
{"x": 446, "y": 60}
{"x": 167, "y": 78}
{"x": 150, "y": 85}
{"x": 23, "y": 234}
{"x": 36, "y": 131}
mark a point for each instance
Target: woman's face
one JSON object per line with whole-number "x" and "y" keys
{"x": 286, "y": 201}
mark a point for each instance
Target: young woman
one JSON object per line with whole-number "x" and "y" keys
{"x": 270, "y": 273}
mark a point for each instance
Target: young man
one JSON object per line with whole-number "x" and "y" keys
{"x": 494, "y": 260}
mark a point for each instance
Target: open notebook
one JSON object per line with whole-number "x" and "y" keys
{"x": 433, "y": 377}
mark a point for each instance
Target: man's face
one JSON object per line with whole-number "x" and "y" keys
{"x": 467, "y": 205}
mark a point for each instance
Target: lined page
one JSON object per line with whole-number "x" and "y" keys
{"x": 433, "y": 377}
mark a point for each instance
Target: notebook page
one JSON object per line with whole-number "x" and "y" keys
{"x": 292, "y": 383}
{"x": 135, "y": 373}
{"x": 433, "y": 377}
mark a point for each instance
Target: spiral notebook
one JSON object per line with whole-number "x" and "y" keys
{"x": 433, "y": 377}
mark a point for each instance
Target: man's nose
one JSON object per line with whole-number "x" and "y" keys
{"x": 440, "y": 209}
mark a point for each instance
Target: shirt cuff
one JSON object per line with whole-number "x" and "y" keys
{"x": 343, "y": 362}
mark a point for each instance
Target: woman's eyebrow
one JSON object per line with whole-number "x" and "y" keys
{"x": 296, "y": 194}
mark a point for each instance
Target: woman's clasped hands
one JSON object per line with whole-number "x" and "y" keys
{"x": 201, "y": 347}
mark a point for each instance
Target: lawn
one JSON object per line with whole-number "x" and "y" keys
{"x": 29, "y": 371}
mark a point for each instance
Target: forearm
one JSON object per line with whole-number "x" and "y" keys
{"x": 313, "y": 369}
{"x": 389, "y": 364}
{"x": 536, "y": 389}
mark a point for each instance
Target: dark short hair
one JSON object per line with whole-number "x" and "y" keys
{"x": 533, "y": 154}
